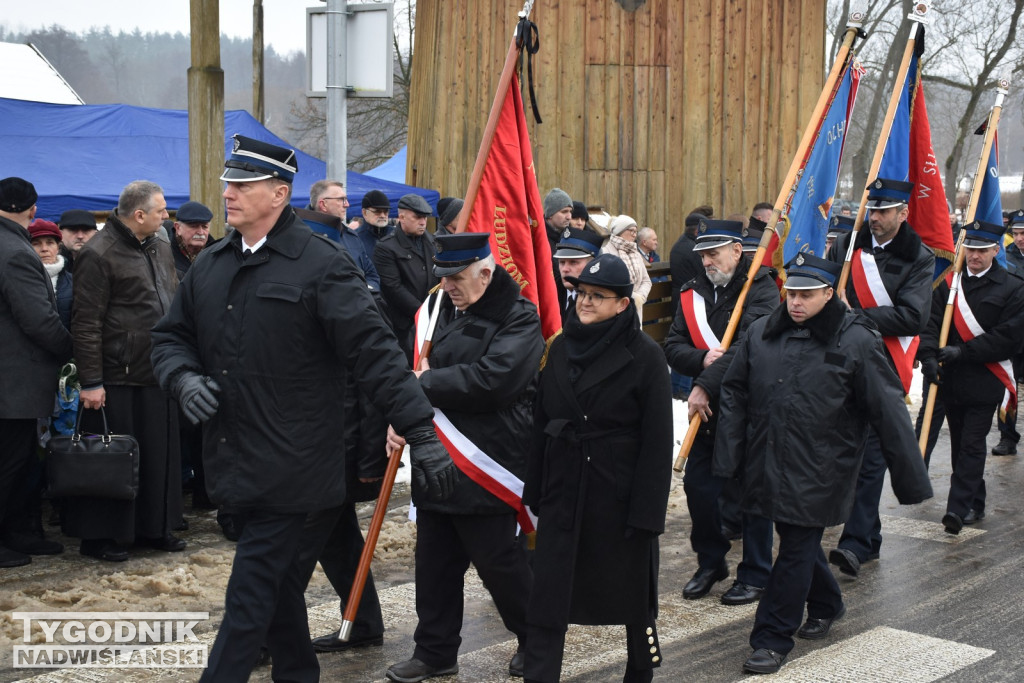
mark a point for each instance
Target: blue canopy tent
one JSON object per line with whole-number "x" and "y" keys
{"x": 393, "y": 169}
{"x": 81, "y": 156}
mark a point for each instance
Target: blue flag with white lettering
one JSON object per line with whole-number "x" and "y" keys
{"x": 811, "y": 205}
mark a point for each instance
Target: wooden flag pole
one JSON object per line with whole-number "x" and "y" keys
{"x": 918, "y": 17}
{"x": 1002, "y": 88}
{"x": 355, "y": 594}
{"x": 839, "y": 66}
{"x": 507, "y": 71}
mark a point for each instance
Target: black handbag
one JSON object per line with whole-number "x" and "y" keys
{"x": 99, "y": 465}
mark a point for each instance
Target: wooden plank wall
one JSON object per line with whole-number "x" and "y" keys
{"x": 648, "y": 112}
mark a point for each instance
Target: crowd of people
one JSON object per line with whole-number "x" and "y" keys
{"x": 272, "y": 371}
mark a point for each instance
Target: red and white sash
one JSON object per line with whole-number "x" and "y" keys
{"x": 969, "y": 328}
{"x": 871, "y": 293}
{"x": 696, "y": 315}
{"x": 471, "y": 460}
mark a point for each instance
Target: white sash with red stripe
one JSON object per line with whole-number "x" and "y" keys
{"x": 969, "y": 328}
{"x": 471, "y": 460}
{"x": 871, "y": 293}
{"x": 696, "y": 315}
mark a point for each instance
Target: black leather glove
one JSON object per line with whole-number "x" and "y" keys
{"x": 948, "y": 355}
{"x": 930, "y": 370}
{"x": 197, "y": 396}
{"x": 432, "y": 467}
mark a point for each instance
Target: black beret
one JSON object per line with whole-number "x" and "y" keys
{"x": 375, "y": 199}
{"x": 17, "y": 195}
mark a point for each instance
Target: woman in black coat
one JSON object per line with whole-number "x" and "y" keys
{"x": 598, "y": 477}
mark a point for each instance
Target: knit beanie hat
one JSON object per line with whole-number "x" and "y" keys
{"x": 555, "y": 201}
{"x": 619, "y": 224}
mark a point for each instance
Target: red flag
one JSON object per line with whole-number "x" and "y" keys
{"x": 929, "y": 213}
{"x": 508, "y": 206}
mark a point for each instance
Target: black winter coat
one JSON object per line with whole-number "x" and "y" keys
{"x": 122, "y": 287}
{"x": 406, "y": 275}
{"x": 686, "y": 359}
{"x": 907, "y": 269}
{"x": 483, "y": 376}
{"x": 684, "y": 264}
{"x": 35, "y": 343}
{"x": 997, "y": 301}
{"x": 796, "y": 402}
{"x": 599, "y": 476}
{"x": 280, "y": 332}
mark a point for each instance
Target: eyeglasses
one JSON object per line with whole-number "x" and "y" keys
{"x": 595, "y": 297}
{"x": 342, "y": 199}
{"x": 378, "y": 212}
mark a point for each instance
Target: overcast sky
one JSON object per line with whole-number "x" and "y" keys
{"x": 284, "y": 24}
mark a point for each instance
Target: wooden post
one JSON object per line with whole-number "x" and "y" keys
{"x": 257, "y": 60}
{"x": 206, "y": 112}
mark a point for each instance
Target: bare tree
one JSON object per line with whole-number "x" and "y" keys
{"x": 966, "y": 45}
{"x": 377, "y": 127}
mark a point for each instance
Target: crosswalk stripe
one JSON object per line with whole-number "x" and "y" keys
{"x": 926, "y": 530}
{"x": 882, "y": 655}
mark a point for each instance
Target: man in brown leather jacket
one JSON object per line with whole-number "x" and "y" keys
{"x": 124, "y": 283}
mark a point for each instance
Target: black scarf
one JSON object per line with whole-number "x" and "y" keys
{"x": 586, "y": 343}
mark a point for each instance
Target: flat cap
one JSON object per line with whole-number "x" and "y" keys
{"x": 416, "y": 203}
{"x": 77, "y": 218}
{"x": 193, "y": 212}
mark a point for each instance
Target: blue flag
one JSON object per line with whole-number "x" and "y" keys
{"x": 810, "y": 208}
{"x": 990, "y": 203}
{"x": 895, "y": 163}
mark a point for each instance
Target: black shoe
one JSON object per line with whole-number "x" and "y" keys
{"x": 681, "y": 395}
{"x": 846, "y": 560}
{"x": 973, "y": 516}
{"x": 816, "y": 629}
{"x": 952, "y": 522}
{"x": 763, "y": 661}
{"x": 101, "y": 549}
{"x": 229, "y": 526}
{"x": 181, "y": 526}
{"x": 516, "y": 665}
{"x": 414, "y": 671}
{"x": 169, "y": 543}
{"x": 263, "y": 658}
{"x": 32, "y": 545}
{"x": 701, "y": 583}
{"x": 1005, "y": 447}
{"x": 741, "y": 594}
{"x": 332, "y": 643}
{"x": 12, "y": 558}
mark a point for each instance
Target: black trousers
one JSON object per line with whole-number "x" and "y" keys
{"x": 545, "y": 648}
{"x": 17, "y": 440}
{"x": 265, "y": 602}
{"x": 862, "y": 533}
{"x": 968, "y": 426}
{"x": 703, "y": 491}
{"x": 800, "y": 575}
{"x": 339, "y": 553}
{"x": 445, "y": 546}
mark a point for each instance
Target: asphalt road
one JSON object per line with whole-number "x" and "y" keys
{"x": 933, "y": 607}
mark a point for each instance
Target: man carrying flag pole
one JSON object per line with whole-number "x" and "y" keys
{"x": 887, "y": 276}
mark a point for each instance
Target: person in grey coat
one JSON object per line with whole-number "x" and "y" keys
{"x": 35, "y": 343}
{"x": 820, "y": 377}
